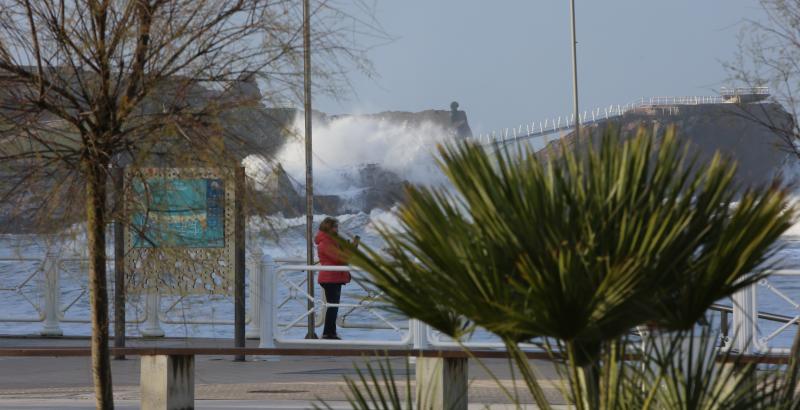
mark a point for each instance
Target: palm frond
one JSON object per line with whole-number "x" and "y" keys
{"x": 580, "y": 247}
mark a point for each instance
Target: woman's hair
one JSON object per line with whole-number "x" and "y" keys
{"x": 328, "y": 224}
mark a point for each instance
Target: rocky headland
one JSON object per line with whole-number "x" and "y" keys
{"x": 753, "y": 135}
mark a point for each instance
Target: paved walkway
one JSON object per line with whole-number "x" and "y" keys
{"x": 260, "y": 382}
{"x": 216, "y": 405}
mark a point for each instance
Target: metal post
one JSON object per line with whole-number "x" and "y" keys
{"x": 419, "y": 337}
{"x": 239, "y": 262}
{"x": 744, "y": 331}
{"x": 254, "y": 271}
{"x": 269, "y": 315}
{"x": 267, "y": 302}
{"x": 51, "y": 326}
{"x": 419, "y": 334}
{"x": 119, "y": 262}
{"x": 575, "y": 71}
{"x": 744, "y": 319}
{"x": 309, "y": 167}
{"x": 723, "y": 324}
{"x": 152, "y": 326}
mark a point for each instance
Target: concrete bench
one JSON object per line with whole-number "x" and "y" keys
{"x": 167, "y": 374}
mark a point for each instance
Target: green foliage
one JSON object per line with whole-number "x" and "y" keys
{"x": 580, "y": 249}
{"x": 377, "y": 389}
{"x": 673, "y": 370}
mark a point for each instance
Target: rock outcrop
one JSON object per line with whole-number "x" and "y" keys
{"x": 748, "y": 134}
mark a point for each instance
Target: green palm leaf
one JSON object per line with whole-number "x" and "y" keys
{"x": 579, "y": 248}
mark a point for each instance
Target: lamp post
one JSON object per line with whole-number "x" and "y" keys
{"x": 575, "y": 72}
{"x": 309, "y": 158}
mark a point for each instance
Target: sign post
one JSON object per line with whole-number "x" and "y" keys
{"x": 239, "y": 263}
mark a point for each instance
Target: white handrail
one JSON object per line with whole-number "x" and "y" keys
{"x": 270, "y": 336}
{"x": 264, "y": 274}
{"x": 745, "y": 316}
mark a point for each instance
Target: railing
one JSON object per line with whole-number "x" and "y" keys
{"x": 725, "y": 311}
{"x": 19, "y": 288}
{"x": 552, "y": 125}
{"x": 750, "y": 335}
{"x": 276, "y": 286}
{"x": 730, "y": 92}
{"x": 408, "y": 333}
{"x": 41, "y": 287}
{"x": 688, "y": 100}
{"x": 276, "y": 331}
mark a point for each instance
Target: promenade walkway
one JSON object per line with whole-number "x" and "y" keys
{"x": 290, "y": 382}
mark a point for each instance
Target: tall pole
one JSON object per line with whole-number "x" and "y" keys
{"x": 309, "y": 173}
{"x": 239, "y": 262}
{"x": 575, "y": 72}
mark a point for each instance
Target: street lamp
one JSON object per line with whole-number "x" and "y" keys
{"x": 309, "y": 158}
{"x": 575, "y": 72}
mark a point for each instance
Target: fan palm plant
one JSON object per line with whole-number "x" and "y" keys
{"x": 664, "y": 376}
{"x": 578, "y": 249}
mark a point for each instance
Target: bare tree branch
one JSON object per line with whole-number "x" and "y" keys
{"x": 93, "y": 84}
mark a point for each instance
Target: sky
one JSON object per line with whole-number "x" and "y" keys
{"x": 508, "y": 62}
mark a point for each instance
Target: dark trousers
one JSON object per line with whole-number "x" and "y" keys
{"x": 333, "y": 293}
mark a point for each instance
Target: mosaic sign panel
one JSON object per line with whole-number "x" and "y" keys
{"x": 181, "y": 230}
{"x": 186, "y": 213}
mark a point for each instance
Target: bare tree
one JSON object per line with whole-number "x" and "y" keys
{"x": 769, "y": 55}
{"x": 93, "y": 84}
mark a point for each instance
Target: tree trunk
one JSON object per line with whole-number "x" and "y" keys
{"x": 119, "y": 261}
{"x": 96, "y": 176}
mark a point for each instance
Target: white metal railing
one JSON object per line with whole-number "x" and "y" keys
{"x": 415, "y": 334}
{"x": 557, "y": 124}
{"x": 276, "y": 333}
{"x": 363, "y": 293}
{"x": 687, "y": 100}
{"x": 748, "y": 334}
{"x": 18, "y": 288}
{"x": 278, "y": 285}
{"x": 59, "y": 266}
{"x": 51, "y": 309}
{"x": 42, "y": 288}
{"x": 730, "y": 92}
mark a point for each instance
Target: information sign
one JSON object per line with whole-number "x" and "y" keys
{"x": 188, "y": 213}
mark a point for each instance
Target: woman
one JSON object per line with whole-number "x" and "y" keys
{"x": 330, "y": 252}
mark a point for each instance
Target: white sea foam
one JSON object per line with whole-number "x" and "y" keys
{"x": 342, "y": 145}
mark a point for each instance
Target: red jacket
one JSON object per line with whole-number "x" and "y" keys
{"x": 330, "y": 253}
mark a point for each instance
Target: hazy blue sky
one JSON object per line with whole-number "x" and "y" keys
{"x": 507, "y": 62}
